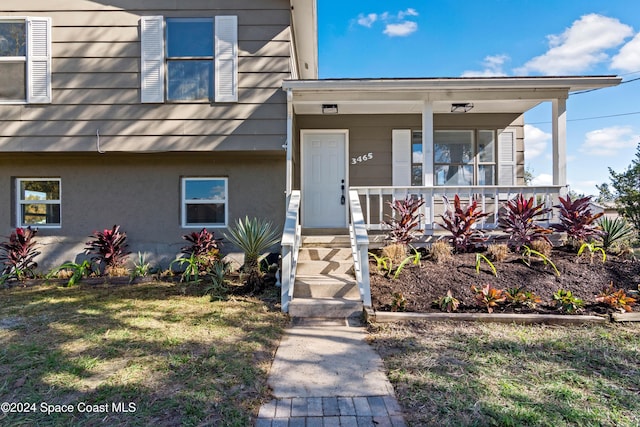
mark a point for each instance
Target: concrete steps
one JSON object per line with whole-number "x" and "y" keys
{"x": 325, "y": 286}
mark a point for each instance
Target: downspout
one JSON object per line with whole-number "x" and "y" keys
{"x": 289, "y": 146}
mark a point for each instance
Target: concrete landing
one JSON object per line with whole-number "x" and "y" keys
{"x": 325, "y": 373}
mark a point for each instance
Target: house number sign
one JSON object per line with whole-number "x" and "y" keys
{"x": 362, "y": 158}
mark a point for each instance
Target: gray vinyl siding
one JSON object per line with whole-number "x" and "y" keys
{"x": 96, "y": 82}
{"x": 372, "y": 134}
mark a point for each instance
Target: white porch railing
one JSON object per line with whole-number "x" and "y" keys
{"x": 290, "y": 243}
{"x": 490, "y": 199}
{"x": 359, "y": 248}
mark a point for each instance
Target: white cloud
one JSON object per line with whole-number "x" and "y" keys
{"x": 401, "y": 30}
{"x": 628, "y": 59}
{"x": 409, "y": 12}
{"x": 609, "y": 141}
{"x": 492, "y": 67}
{"x": 535, "y": 141}
{"x": 367, "y": 20}
{"x": 542, "y": 180}
{"x": 579, "y": 47}
{"x": 395, "y": 24}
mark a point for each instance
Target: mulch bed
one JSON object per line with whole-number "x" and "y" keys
{"x": 421, "y": 285}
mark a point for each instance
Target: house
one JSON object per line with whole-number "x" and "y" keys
{"x": 161, "y": 116}
{"x": 167, "y": 116}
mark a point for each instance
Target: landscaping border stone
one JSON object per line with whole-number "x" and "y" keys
{"x": 625, "y": 317}
{"x": 522, "y": 319}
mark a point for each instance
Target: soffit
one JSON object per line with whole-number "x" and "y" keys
{"x": 402, "y": 96}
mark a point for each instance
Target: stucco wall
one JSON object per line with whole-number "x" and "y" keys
{"x": 141, "y": 192}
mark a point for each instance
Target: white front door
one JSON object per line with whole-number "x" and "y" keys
{"x": 324, "y": 180}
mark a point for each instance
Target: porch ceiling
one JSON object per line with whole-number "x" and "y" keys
{"x": 407, "y": 96}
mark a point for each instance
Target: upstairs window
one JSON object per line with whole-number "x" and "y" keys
{"x": 189, "y": 59}
{"x": 25, "y": 60}
{"x": 13, "y": 60}
{"x": 38, "y": 202}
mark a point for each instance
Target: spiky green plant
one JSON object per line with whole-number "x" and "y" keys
{"x": 615, "y": 230}
{"x": 253, "y": 236}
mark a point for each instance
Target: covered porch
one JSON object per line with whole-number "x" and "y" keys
{"x": 432, "y": 137}
{"x": 355, "y": 144}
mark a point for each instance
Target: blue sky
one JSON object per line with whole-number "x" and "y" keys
{"x": 447, "y": 38}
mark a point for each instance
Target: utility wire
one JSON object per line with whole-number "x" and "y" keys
{"x": 591, "y": 118}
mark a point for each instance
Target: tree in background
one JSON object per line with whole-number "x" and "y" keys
{"x": 627, "y": 190}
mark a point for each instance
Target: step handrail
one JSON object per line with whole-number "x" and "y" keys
{"x": 359, "y": 247}
{"x": 290, "y": 247}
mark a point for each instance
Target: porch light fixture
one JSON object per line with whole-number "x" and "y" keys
{"x": 329, "y": 108}
{"x": 461, "y": 107}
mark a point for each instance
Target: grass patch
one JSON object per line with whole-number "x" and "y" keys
{"x": 179, "y": 358}
{"x": 461, "y": 374}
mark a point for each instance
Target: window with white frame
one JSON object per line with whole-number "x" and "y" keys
{"x": 38, "y": 202}
{"x": 204, "y": 202}
{"x": 417, "y": 160}
{"x": 189, "y": 59}
{"x": 25, "y": 60}
{"x": 464, "y": 157}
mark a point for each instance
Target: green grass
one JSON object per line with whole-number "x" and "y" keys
{"x": 461, "y": 374}
{"x": 178, "y": 357}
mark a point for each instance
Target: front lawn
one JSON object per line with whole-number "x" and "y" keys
{"x": 154, "y": 354}
{"x": 471, "y": 374}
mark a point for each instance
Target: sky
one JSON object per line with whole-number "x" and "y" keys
{"x": 467, "y": 38}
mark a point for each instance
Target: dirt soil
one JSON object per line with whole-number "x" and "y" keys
{"x": 421, "y": 285}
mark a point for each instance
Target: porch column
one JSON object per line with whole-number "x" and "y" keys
{"x": 427, "y": 143}
{"x": 289, "y": 143}
{"x": 559, "y": 148}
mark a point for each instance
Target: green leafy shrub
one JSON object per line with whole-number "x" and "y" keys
{"x": 191, "y": 268}
{"x": 488, "y": 296}
{"x": 519, "y": 222}
{"x": 109, "y": 248}
{"x": 405, "y": 219}
{"x": 447, "y": 303}
{"x": 564, "y": 300}
{"x": 479, "y": 259}
{"x": 528, "y": 253}
{"x": 461, "y": 223}
{"x": 519, "y": 297}
{"x": 18, "y": 254}
{"x": 141, "y": 268}
{"x": 75, "y": 271}
{"x": 399, "y": 302}
{"x": 592, "y": 248}
{"x": 577, "y": 220}
{"x": 616, "y": 299}
{"x": 218, "y": 289}
{"x": 615, "y": 231}
{"x": 253, "y": 237}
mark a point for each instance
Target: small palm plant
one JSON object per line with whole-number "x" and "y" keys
{"x": 253, "y": 237}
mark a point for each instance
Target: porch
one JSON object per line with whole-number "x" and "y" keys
{"x": 356, "y": 144}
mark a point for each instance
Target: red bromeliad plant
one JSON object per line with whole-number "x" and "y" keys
{"x": 203, "y": 246}
{"x": 108, "y": 247}
{"x": 18, "y": 253}
{"x": 519, "y": 222}
{"x": 201, "y": 243}
{"x": 577, "y": 220}
{"x": 461, "y": 223}
{"x": 405, "y": 219}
